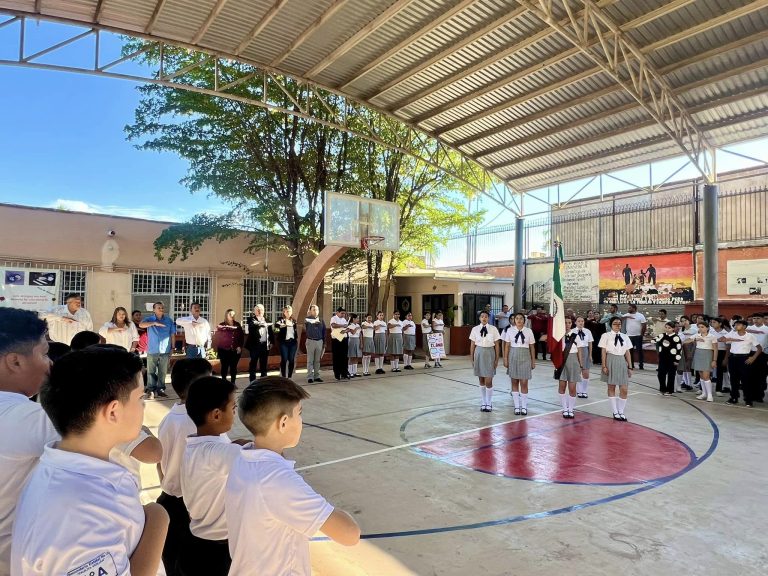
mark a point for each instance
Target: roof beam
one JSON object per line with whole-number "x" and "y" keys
{"x": 217, "y": 8}
{"x": 311, "y": 29}
{"x": 656, "y": 14}
{"x": 155, "y": 16}
{"x": 99, "y": 10}
{"x": 263, "y": 22}
{"x": 359, "y": 36}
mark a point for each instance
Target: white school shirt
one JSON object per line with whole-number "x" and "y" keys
{"x": 709, "y": 342}
{"x": 689, "y": 333}
{"x": 608, "y": 341}
{"x": 60, "y": 331}
{"x": 78, "y": 516}
{"x": 172, "y": 433}
{"x": 574, "y": 347}
{"x": 720, "y": 334}
{"x": 380, "y": 327}
{"x": 123, "y": 338}
{"x": 121, "y": 455}
{"x": 438, "y": 325}
{"x": 745, "y": 344}
{"x": 197, "y": 332}
{"x": 760, "y": 333}
{"x": 356, "y": 327}
{"x": 341, "y": 322}
{"x": 634, "y": 326}
{"x": 523, "y": 342}
{"x": 271, "y": 515}
{"x": 398, "y": 326}
{"x": 367, "y": 329}
{"x": 587, "y": 337}
{"x": 204, "y": 469}
{"x": 409, "y": 327}
{"x": 426, "y": 326}
{"x": 489, "y": 340}
{"x": 19, "y": 453}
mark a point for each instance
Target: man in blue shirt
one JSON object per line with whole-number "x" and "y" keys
{"x": 160, "y": 331}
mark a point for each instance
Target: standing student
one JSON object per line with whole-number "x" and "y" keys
{"x": 438, "y": 327}
{"x": 368, "y": 347}
{"x": 339, "y": 344}
{"x": 395, "y": 340}
{"x": 759, "y": 369}
{"x": 687, "y": 333}
{"x": 484, "y": 355}
{"x": 160, "y": 330}
{"x": 66, "y": 320}
{"x": 572, "y": 370}
{"x": 670, "y": 349}
{"x": 287, "y": 338}
{"x": 206, "y": 462}
{"x": 24, "y": 367}
{"x": 379, "y": 341}
{"x": 584, "y": 342}
{"x": 705, "y": 359}
{"x": 229, "y": 345}
{"x": 260, "y": 336}
{"x": 520, "y": 360}
{"x": 635, "y": 324}
{"x": 616, "y": 369}
{"x": 354, "y": 352}
{"x": 719, "y": 328}
{"x": 740, "y": 359}
{"x": 172, "y": 433}
{"x": 271, "y": 511}
{"x": 197, "y": 332}
{"x": 426, "y": 330}
{"x": 409, "y": 341}
{"x": 120, "y": 330}
{"x": 93, "y": 521}
{"x": 314, "y": 326}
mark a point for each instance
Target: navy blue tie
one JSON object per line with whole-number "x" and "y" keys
{"x": 483, "y": 331}
{"x": 521, "y": 336}
{"x": 618, "y": 340}
{"x": 581, "y": 334}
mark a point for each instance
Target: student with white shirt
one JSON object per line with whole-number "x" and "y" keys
{"x": 354, "y": 353}
{"x": 144, "y": 449}
{"x": 719, "y": 328}
{"x": 572, "y": 369}
{"x": 519, "y": 360}
{"x": 687, "y": 333}
{"x": 172, "y": 433}
{"x": 197, "y": 332}
{"x": 395, "y": 340}
{"x": 705, "y": 359}
{"x": 271, "y": 511}
{"x": 616, "y": 369}
{"x": 409, "y": 341}
{"x": 205, "y": 465}
{"x": 66, "y": 320}
{"x": 93, "y": 521}
{"x": 484, "y": 355}
{"x": 426, "y": 329}
{"x": 379, "y": 341}
{"x": 635, "y": 325}
{"x": 584, "y": 342}
{"x": 368, "y": 348}
{"x": 438, "y": 327}
{"x": 120, "y": 330}
{"x": 741, "y": 357}
{"x": 24, "y": 367}
{"x": 760, "y": 368}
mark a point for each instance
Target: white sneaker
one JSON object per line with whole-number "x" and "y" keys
{"x": 701, "y": 396}
{"x": 710, "y": 399}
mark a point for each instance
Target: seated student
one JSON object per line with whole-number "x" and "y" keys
{"x": 83, "y": 339}
{"x": 271, "y": 511}
{"x": 205, "y": 465}
{"x": 172, "y": 433}
{"x": 80, "y": 513}
{"x": 24, "y": 366}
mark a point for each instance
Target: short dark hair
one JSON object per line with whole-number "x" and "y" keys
{"x": 84, "y": 339}
{"x": 268, "y": 399}
{"x": 137, "y": 311}
{"x": 72, "y": 295}
{"x": 83, "y": 381}
{"x": 57, "y": 349}
{"x": 206, "y": 394}
{"x": 739, "y": 321}
{"x": 671, "y": 324}
{"x": 340, "y": 309}
{"x": 662, "y": 310}
{"x": 187, "y": 370}
{"x": 20, "y": 330}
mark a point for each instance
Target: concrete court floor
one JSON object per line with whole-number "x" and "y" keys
{"x": 680, "y": 489}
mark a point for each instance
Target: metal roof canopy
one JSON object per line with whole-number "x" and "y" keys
{"x": 535, "y": 91}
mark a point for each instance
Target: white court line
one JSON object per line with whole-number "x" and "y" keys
{"x": 445, "y": 436}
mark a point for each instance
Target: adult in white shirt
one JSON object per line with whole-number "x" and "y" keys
{"x": 635, "y": 325}
{"x": 120, "y": 330}
{"x": 520, "y": 360}
{"x": 66, "y": 320}
{"x": 616, "y": 369}
{"x": 760, "y": 367}
{"x": 740, "y": 360}
{"x": 197, "y": 332}
{"x": 24, "y": 428}
{"x": 503, "y": 318}
{"x": 484, "y": 354}
{"x": 426, "y": 329}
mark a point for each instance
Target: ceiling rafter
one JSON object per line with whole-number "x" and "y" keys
{"x": 263, "y": 22}
{"x": 155, "y": 16}
{"x": 308, "y": 31}
{"x": 660, "y": 12}
{"x": 217, "y": 8}
{"x": 99, "y": 10}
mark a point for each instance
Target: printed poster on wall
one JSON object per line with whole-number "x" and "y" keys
{"x": 652, "y": 279}
{"x": 747, "y": 277}
{"x": 579, "y": 278}
{"x": 30, "y": 289}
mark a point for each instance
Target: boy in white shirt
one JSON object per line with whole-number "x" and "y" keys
{"x": 24, "y": 367}
{"x": 271, "y": 511}
{"x": 173, "y": 432}
{"x": 80, "y": 513}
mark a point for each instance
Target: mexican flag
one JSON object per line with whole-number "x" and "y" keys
{"x": 556, "y": 331}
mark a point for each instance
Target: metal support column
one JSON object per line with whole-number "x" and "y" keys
{"x": 519, "y": 263}
{"x": 709, "y": 240}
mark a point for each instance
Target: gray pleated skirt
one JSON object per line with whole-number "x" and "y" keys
{"x": 586, "y": 360}
{"x": 484, "y": 359}
{"x": 409, "y": 341}
{"x": 571, "y": 371}
{"x": 519, "y": 363}
{"x": 702, "y": 360}
{"x": 425, "y": 343}
{"x": 617, "y": 370}
{"x": 395, "y": 344}
{"x": 353, "y": 348}
{"x": 684, "y": 365}
{"x": 368, "y": 347}
{"x": 380, "y": 344}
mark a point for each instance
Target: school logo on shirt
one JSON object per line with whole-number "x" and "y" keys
{"x": 102, "y": 565}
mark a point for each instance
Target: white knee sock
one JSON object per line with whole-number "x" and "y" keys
{"x": 707, "y": 384}
{"x": 571, "y": 403}
{"x": 563, "y": 403}
{"x": 483, "y": 395}
{"x": 613, "y": 404}
{"x": 366, "y": 364}
{"x": 395, "y": 363}
{"x": 377, "y": 360}
{"x": 687, "y": 378}
{"x": 678, "y": 382}
{"x": 516, "y": 398}
{"x": 524, "y": 400}
{"x": 407, "y": 359}
{"x": 350, "y": 369}
{"x": 489, "y": 392}
{"x": 354, "y": 368}
{"x": 622, "y": 404}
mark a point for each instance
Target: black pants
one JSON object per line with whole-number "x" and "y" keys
{"x": 666, "y": 375}
{"x": 229, "y": 360}
{"x": 258, "y": 360}
{"x": 178, "y": 530}
{"x": 287, "y": 357}
{"x": 202, "y": 557}
{"x": 339, "y": 350}
{"x": 637, "y": 343}
{"x": 540, "y": 346}
{"x": 759, "y": 371}
{"x": 741, "y": 377}
{"x": 721, "y": 371}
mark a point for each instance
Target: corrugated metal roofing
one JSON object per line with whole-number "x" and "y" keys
{"x": 486, "y": 76}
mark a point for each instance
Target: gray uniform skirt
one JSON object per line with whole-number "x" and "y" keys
{"x": 395, "y": 344}
{"x": 617, "y": 370}
{"x": 571, "y": 371}
{"x": 368, "y": 347}
{"x": 586, "y": 360}
{"x": 353, "y": 348}
{"x": 484, "y": 359}
{"x": 519, "y": 363}
{"x": 684, "y": 365}
{"x": 380, "y": 344}
{"x": 409, "y": 341}
{"x": 702, "y": 360}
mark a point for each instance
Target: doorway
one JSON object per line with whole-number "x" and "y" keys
{"x": 443, "y": 302}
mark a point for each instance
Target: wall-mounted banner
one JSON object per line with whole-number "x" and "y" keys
{"x": 747, "y": 277}
{"x": 579, "y": 280}
{"x": 652, "y": 279}
{"x": 30, "y": 289}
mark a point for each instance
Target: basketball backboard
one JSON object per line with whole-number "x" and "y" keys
{"x": 352, "y": 221}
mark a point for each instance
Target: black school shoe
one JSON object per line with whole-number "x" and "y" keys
{"x": 732, "y": 401}
{"x": 380, "y": 371}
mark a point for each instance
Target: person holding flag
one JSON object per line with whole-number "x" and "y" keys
{"x": 556, "y": 328}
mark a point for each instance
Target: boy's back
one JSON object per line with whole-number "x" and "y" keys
{"x": 172, "y": 433}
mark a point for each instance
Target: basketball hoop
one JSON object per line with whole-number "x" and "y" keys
{"x": 367, "y": 241}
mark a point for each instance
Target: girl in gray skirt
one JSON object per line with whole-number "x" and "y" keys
{"x": 616, "y": 349}
{"x": 484, "y": 352}
{"x": 584, "y": 341}
{"x": 519, "y": 360}
{"x": 571, "y": 372}
{"x": 368, "y": 349}
{"x": 353, "y": 345}
{"x": 409, "y": 341}
{"x": 395, "y": 340}
{"x": 379, "y": 341}
{"x": 705, "y": 359}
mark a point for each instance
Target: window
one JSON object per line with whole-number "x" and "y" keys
{"x": 473, "y": 304}
{"x": 176, "y": 291}
{"x": 352, "y": 296}
{"x": 73, "y": 281}
{"x": 272, "y": 293}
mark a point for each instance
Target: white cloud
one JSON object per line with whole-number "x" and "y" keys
{"x": 144, "y": 212}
